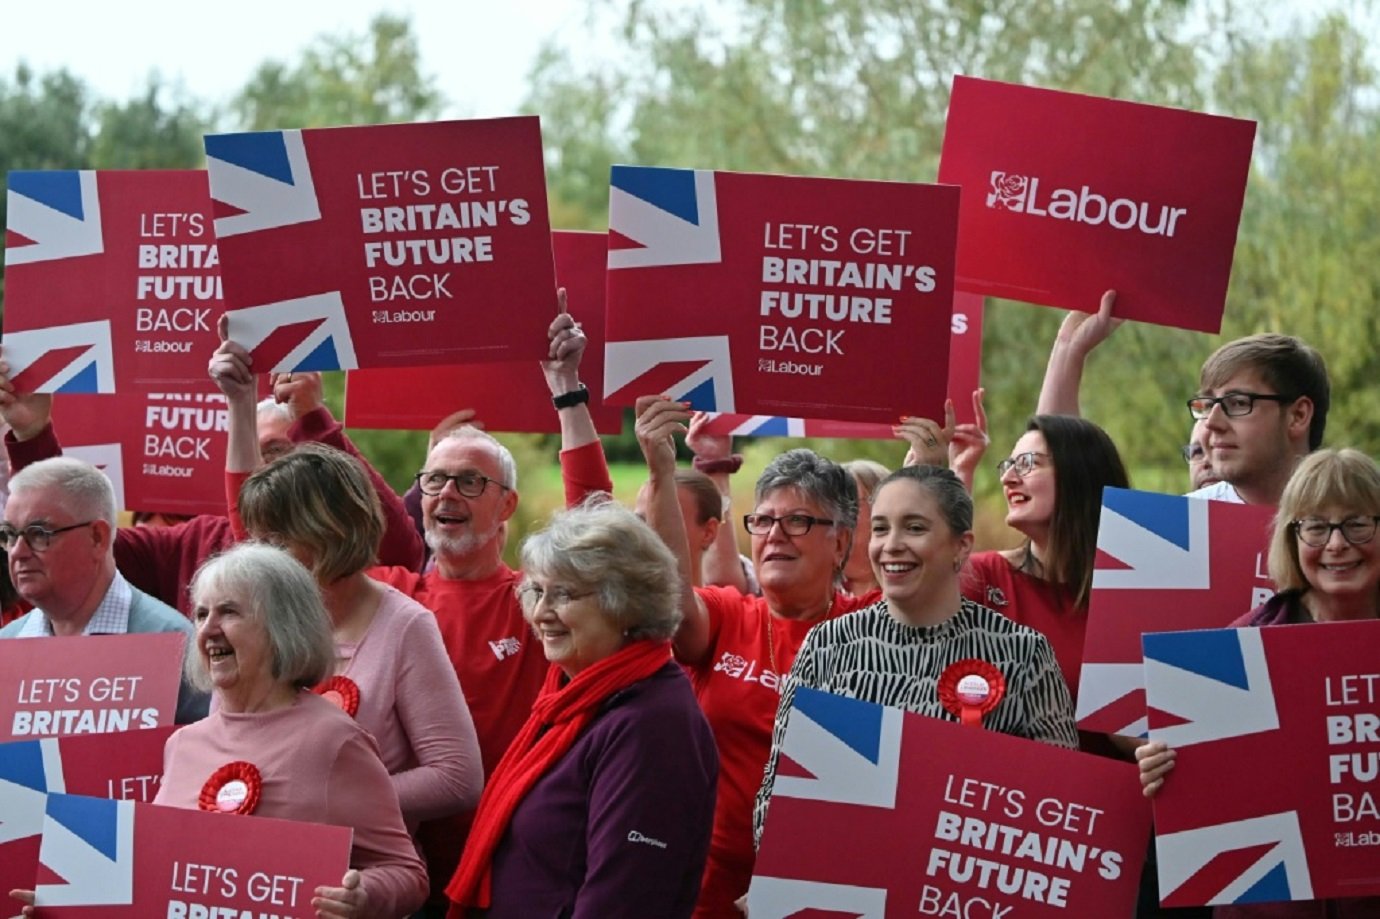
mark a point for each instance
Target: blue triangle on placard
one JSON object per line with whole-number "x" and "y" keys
{"x": 858, "y": 724}
{"x": 263, "y": 152}
{"x": 22, "y": 764}
{"x": 92, "y": 819}
{"x": 85, "y": 380}
{"x": 775, "y": 426}
{"x": 1272, "y": 887}
{"x": 672, "y": 190}
{"x": 59, "y": 189}
{"x": 1164, "y": 515}
{"x": 1214, "y": 653}
{"x": 702, "y": 396}
{"x": 324, "y": 357}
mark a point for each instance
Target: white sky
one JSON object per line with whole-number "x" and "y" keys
{"x": 480, "y": 51}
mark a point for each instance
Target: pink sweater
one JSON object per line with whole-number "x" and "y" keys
{"x": 318, "y": 766}
{"x": 410, "y": 700}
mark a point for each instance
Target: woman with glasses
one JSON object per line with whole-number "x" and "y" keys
{"x": 1325, "y": 563}
{"x": 391, "y": 671}
{"x": 603, "y": 803}
{"x": 738, "y": 648}
{"x": 1053, "y": 483}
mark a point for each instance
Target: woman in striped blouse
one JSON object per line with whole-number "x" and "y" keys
{"x": 896, "y": 651}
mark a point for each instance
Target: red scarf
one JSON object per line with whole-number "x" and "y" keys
{"x": 559, "y": 716}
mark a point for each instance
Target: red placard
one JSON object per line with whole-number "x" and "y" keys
{"x": 779, "y": 295}
{"x": 88, "y": 684}
{"x": 1066, "y": 195}
{"x": 122, "y": 860}
{"x": 163, "y": 451}
{"x": 126, "y": 766}
{"x": 965, "y": 371}
{"x": 111, "y": 280}
{"x": 511, "y": 396}
{"x": 389, "y": 246}
{"x": 1275, "y": 792}
{"x": 1164, "y": 562}
{"x": 944, "y": 819}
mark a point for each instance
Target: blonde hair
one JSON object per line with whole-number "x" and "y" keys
{"x": 1342, "y": 478}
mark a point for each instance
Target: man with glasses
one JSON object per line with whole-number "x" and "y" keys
{"x": 59, "y": 531}
{"x": 469, "y": 492}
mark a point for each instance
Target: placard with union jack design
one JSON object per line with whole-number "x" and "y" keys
{"x": 884, "y": 814}
{"x": 779, "y": 295}
{"x": 397, "y": 245}
{"x": 112, "y": 280}
{"x": 125, "y": 766}
{"x": 1067, "y": 195}
{"x": 1275, "y": 792}
{"x": 1164, "y": 563}
{"x": 123, "y": 860}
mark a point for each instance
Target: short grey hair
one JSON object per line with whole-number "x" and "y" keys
{"x": 506, "y": 464}
{"x": 277, "y": 591}
{"x": 85, "y": 490}
{"x": 606, "y": 548}
{"x": 823, "y": 481}
{"x": 271, "y": 408}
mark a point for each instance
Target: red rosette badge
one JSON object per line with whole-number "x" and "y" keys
{"x": 970, "y": 689}
{"x": 342, "y": 691}
{"x": 232, "y": 789}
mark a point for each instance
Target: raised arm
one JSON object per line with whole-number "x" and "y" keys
{"x": 1079, "y": 334}
{"x": 30, "y": 417}
{"x": 962, "y": 446}
{"x": 721, "y": 565}
{"x": 584, "y": 469}
{"x": 658, "y": 420}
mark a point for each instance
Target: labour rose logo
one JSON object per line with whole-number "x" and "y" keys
{"x": 1008, "y": 191}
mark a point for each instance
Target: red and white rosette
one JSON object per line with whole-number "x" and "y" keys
{"x": 232, "y": 789}
{"x": 971, "y": 688}
{"x": 342, "y": 691}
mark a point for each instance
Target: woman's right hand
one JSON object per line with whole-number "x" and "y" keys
{"x": 1155, "y": 759}
{"x": 659, "y": 419}
{"x": 27, "y": 898}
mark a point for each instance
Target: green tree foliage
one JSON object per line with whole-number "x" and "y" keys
{"x": 340, "y": 80}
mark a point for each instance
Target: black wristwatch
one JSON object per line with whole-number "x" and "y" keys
{"x": 571, "y": 399}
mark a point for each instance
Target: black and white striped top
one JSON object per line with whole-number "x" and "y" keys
{"x": 873, "y": 656}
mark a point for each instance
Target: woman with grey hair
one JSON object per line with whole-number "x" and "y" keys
{"x": 603, "y": 804}
{"x": 272, "y": 748}
{"x": 737, "y": 648}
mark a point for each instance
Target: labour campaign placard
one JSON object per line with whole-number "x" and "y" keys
{"x": 509, "y": 396}
{"x": 112, "y": 280}
{"x": 162, "y": 451}
{"x": 126, "y": 766}
{"x": 122, "y": 860}
{"x": 1066, "y": 196}
{"x": 88, "y": 684}
{"x": 779, "y": 295}
{"x": 883, "y": 814}
{"x": 1163, "y": 563}
{"x": 965, "y": 371}
{"x": 1275, "y": 791}
{"x": 396, "y": 245}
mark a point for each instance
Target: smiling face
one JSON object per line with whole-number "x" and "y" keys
{"x": 1340, "y": 570}
{"x": 1030, "y": 500}
{"x": 797, "y": 572}
{"x": 234, "y": 648}
{"x": 458, "y": 526}
{"x": 914, "y": 553}
{"x": 574, "y": 632}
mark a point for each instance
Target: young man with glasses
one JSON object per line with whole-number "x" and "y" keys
{"x": 59, "y": 531}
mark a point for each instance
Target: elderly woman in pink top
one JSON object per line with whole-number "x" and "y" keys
{"x": 391, "y": 673}
{"x": 262, "y": 638}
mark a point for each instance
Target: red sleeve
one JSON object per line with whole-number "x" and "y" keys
{"x": 161, "y": 560}
{"x": 401, "y": 544}
{"x": 234, "y": 481}
{"x": 585, "y": 471}
{"x": 23, "y": 453}
{"x": 719, "y": 602}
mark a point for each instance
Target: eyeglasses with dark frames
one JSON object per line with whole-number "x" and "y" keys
{"x": 469, "y": 484}
{"x": 38, "y": 537}
{"x": 791, "y": 524}
{"x": 1234, "y": 404}
{"x": 1317, "y": 532}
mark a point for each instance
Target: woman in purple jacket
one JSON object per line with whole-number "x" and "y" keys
{"x": 603, "y": 804}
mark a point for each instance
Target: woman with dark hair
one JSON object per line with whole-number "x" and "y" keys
{"x": 1053, "y": 483}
